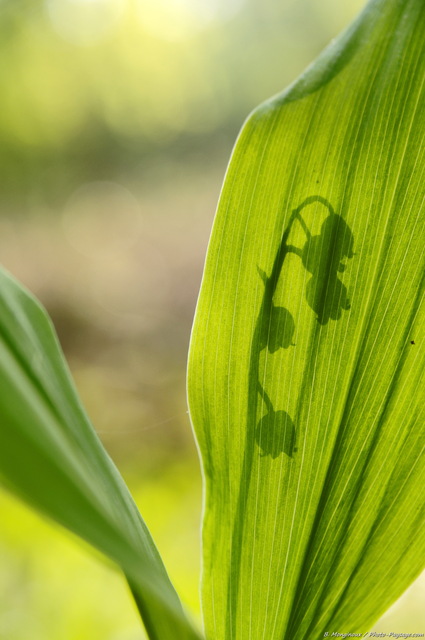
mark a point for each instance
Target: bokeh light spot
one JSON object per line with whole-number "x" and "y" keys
{"x": 180, "y": 19}
{"x": 84, "y": 22}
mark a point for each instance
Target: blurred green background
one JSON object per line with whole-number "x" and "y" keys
{"x": 117, "y": 120}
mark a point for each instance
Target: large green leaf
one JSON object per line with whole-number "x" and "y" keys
{"x": 51, "y": 457}
{"x": 306, "y": 358}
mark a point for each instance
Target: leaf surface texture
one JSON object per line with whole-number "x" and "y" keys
{"x": 306, "y": 362}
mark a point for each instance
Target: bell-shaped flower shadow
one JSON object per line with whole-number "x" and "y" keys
{"x": 275, "y": 434}
{"x": 322, "y": 256}
{"x": 277, "y": 330}
{"x": 327, "y": 298}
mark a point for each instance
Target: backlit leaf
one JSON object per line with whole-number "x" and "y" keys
{"x": 306, "y": 362}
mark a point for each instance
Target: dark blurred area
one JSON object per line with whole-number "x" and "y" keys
{"x": 117, "y": 121}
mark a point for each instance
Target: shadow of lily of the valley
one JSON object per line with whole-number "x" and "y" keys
{"x": 322, "y": 256}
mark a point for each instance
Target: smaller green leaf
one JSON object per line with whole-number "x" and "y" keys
{"x": 51, "y": 457}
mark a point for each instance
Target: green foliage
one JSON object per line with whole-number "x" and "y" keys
{"x": 306, "y": 365}
{"x": 52, "y": 458}
{"x": 305, "y": 372}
